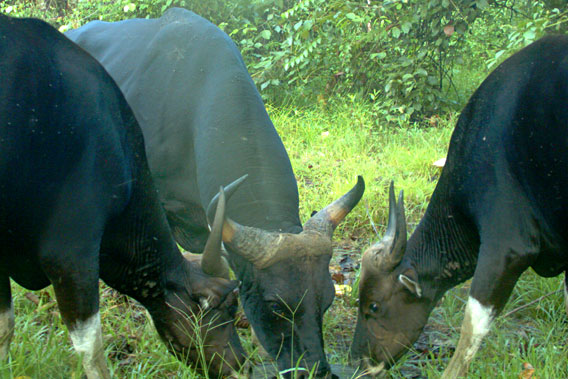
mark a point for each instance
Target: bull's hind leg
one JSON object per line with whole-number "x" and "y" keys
{"x": 6, "y": 316}
{"x": 495, "y": 276}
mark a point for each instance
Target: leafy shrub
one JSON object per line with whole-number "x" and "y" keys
{"x": 410, "y": 59}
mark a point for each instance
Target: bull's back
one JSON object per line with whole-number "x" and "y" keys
{"x": 203, "y": 119}
{"x": 165, "y": 67}
{"x": 537, "y": 145}
{"x": 61, "y": 156}
{"x": 509, "y": 152}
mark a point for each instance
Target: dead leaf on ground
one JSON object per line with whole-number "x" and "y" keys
{"x": 527, "y": 372}
{"x": 32, "y": 297}
{"x": 342, "y": 289}
{"x": 338, "y": 277}
{"x": 440, "y": 162}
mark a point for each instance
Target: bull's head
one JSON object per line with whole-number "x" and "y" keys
{"x": 198, "y": 322}
{"x": 286, "y": 285}
{"x": 392, "y": 312}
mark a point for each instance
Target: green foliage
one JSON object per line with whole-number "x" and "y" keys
{"x": 411, "y": 59}
{"x": 389, "y": 52}
{"x": 403, "y": 56}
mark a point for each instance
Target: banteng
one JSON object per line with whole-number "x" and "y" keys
{"x": 205, "y": 125}
{"x": 78, "y": 204}
{"x": 500, "y": 207}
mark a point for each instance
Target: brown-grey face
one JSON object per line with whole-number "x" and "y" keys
{"x": 287, "y": 303}
{"x": 199, "y": 327}
{"x": 286, "y": 286}
{"x": 391, "y": 317}
{"x": 392, "y": 312}
{"x": 197, "y": 321}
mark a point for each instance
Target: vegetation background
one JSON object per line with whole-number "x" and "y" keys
{"x": 354, "y": 87}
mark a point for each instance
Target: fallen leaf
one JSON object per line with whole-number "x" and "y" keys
{"x": 338, "y": 277}
{"x": 448, "y": 30}
{"x": 440, "y": 162}
{"x": 32, "y": 297}
{"x": 342, "y": 289}
{"x": 527, "y": 372}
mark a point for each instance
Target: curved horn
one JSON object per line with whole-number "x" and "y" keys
{"x": 326, "y": 220}
{"x": 255, "y": 245}
{"x": 212, "y": 261}
{"x": 229, "y": 190}
{"x": 394, "y": 241}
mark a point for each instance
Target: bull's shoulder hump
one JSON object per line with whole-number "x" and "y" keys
{"x": 185, "y": 28}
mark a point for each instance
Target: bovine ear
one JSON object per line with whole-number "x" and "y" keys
{"x": 410, "y": 281}
{"x": 215, "y": 292}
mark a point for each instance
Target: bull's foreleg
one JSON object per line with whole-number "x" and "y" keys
{"x": 476, "y": 323}
{"x": 78, "y": 302}
{"x": 88, "y": 342}
{"x": 495, "y": 276}
{"x": 6, "y": 317}
{"x": 75, "y": 279}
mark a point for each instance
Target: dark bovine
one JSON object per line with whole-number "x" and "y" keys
{"x": 205, "y": 125}
{"x": 500, "y": 207}
{"x": 77, "y": 204}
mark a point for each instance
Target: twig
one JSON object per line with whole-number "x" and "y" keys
{"x": 370, "y": 218}
{"x": 459, "y": 298}
{"x": 529, "y": 303}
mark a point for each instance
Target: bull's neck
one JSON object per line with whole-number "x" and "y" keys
{"x": 139, "y": 256}
{"x": 443, "y": 248}
{"x": 267, "y": 215}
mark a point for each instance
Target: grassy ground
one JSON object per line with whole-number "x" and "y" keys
{"x": 328, "y": 147}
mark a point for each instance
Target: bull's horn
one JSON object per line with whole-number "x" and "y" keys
{"x": 391, "y": 247}
{"x": 255, "y": 245}
{"x": 212, "y": 261}
{"x": 326, "y": 220}
{"x": 229, "y": 190}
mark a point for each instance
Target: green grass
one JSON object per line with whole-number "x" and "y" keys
{"x": 328, "y": 148}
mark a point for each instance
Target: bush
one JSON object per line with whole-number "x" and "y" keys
{"x": 403, "y": 56}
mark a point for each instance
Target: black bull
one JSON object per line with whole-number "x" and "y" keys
{"x": 77, "y": 204}
{"x": 500, "y": 207}
{"x": 205, "y": 125}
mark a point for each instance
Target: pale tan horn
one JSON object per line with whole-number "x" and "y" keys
{"x": 212, "y": 261}
{"x": 391, "y": 248}
{"x": 326, "y": 220}
{"x": 257, "y": 246}
{"x": 263, "y": 248}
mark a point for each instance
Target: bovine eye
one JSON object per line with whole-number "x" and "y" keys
{"x": 277, "y": 309}
{"x": 374, "y": 308}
